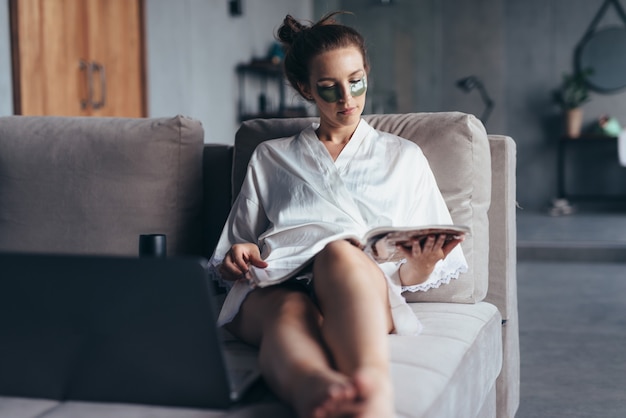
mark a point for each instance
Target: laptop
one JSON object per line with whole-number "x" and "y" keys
{"x": 117, "y": 329}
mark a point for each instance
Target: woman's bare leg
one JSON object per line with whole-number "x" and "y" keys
{"x": 285, "y": 324}
{"x": 300, "y": 351}
{"x": 352, "y": 295}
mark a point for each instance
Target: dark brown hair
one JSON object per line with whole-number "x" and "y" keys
{"x": 302, "y": 43}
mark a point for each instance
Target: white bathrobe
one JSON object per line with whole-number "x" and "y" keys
{"x": 295, "y": 199}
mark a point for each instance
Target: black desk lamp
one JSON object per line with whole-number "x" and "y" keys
{"x": 470, "y": 83}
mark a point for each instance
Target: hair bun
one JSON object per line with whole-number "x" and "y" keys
{"x": 290, "y": 30}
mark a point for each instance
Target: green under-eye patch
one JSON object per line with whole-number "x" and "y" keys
{"x": 331, "y": 94}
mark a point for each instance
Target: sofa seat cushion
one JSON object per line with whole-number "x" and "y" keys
{"x": 450, "y": 369}
{"x": 76, "y": 409}
{"x": 12, "y": 407}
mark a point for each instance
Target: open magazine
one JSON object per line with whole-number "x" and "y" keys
{"x": 381, "y": 243}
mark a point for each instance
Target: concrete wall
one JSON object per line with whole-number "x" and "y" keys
{"x": 520, "y": 49}
{"x": 419, "y": 49}
{"x": 193, "y": 47}
{"x": 541, "y": 37}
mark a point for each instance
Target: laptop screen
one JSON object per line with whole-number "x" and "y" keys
{"x": 139, "y": 330}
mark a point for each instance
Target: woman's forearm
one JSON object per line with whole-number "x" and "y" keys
{"x": 411, "y": 275}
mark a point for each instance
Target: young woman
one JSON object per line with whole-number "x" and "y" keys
{"x": 322, "y": 334}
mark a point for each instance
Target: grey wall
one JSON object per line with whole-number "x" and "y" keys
{"x": 419, "y": 49}
{"x": 541, "y": 37}
{"x": 520, "y": 49}
{"x": 193, "y": 47}
{"x": 6, "y": 90}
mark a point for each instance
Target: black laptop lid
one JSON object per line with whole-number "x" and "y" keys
{"x": 109, "y": 329}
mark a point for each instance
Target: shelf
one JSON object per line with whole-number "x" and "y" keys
{"x": 263, "y": 68}
{"x": 290, "y": 112}
{"x": 271, "y": 76}
{"x": 589, "y": 138}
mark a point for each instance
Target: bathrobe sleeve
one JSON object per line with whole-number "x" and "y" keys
{"x": 245, "y": 223}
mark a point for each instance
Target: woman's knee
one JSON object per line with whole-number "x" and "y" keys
{"x": 341, "y": 263}
{"x": 340, "y": 252}
{"x": 342, "y": 256}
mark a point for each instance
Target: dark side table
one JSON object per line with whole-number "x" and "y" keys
{"x": 586, "y": 143}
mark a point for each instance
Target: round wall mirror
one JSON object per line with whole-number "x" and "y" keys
{"x": 604, "y": 53}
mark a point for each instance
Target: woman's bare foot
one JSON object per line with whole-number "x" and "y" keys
{"x": 325, "y": 395}
{"x": 374, "y": 394}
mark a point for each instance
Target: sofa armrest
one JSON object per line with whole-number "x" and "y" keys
{"x": 502, "y": 269}
{"x": 502, "y": 227}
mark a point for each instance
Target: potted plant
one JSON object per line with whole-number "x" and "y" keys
{"x": 571, "y": 95}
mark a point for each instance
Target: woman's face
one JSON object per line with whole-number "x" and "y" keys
{"x": 337, "y": 83}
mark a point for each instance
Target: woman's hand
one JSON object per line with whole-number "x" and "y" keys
{"x": 421, "y": 257}
{"x": 238, "y": 260}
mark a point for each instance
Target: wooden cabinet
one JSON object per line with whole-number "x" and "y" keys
{"x": 78, "y": 57}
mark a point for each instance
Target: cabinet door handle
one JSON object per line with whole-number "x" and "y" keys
{"x": 86, "y": 67}
{"x": 103, "y": 85}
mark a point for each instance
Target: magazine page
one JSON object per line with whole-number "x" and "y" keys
{"x": 382, "y": 243}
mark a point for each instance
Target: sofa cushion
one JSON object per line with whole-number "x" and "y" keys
{"x": 13, "y": 407}
{"x": 450, "y": 369}
{"x": 92, "y": 185}
{"x": 457, "y": 149}
{"x": 106, "y": 410}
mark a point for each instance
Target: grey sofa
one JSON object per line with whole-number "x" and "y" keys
{"x": 92, "y": 185}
